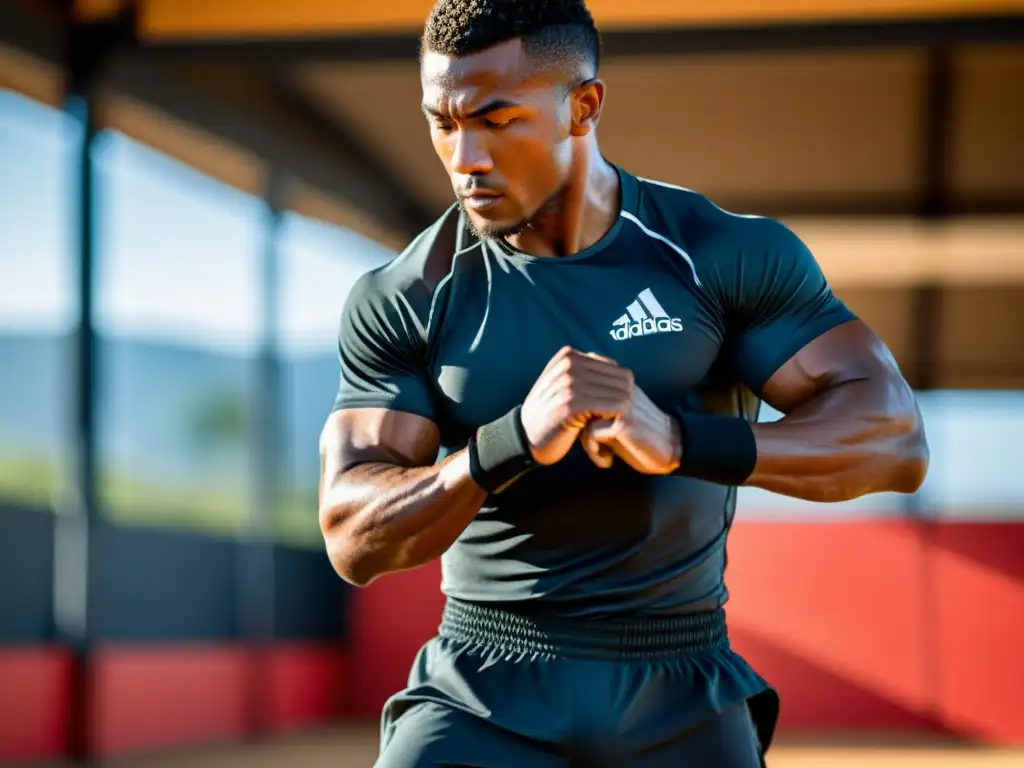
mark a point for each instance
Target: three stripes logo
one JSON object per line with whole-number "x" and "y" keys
{"x": 644, "y": 317}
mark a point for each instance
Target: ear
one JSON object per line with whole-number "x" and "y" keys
{"x": 587, "y": 101}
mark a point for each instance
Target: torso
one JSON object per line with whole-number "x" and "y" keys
{"x": 572, "y": 538}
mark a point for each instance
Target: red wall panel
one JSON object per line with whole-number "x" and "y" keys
{"x": 979, "y": 608}
{"x": 388, "y": 623}
{"x": 149, "y": 697}
{"x": 830, "y": 613}
{"x": 308, "y": 685}
{"x": 34, "y": 686}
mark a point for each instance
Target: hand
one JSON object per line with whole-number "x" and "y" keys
{"x": 573, "y": 389}
{"x": 644, "y": 436}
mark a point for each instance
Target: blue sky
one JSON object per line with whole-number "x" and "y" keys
{"x": 179, "y": 253}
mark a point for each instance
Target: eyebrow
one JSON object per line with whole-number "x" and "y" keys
{"x": 490, "y": 106}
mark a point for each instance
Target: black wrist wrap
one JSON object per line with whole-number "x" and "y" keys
{"x": 719, "y": 449}
{"x": 499, "y": 452}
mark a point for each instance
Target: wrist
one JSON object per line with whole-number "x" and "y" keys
{"x": 719, "y": 449}
{"x": 674, "y": 438}
{"x": 500, "y": 452}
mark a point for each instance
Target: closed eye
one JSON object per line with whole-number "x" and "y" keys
{"x": 498, "y": 124}
{"x": 440, "y": 124}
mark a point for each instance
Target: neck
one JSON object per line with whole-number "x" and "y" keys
{"x": 581, "y": 214}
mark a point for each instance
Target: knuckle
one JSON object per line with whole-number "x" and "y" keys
{"x": 562, "y": 371}
{"x": 573, "y": 370}
{"x": 564, "y": 401}
{"x": 562, "y": 412}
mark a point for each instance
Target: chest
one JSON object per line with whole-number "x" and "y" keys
{"x": 502, "y": 323}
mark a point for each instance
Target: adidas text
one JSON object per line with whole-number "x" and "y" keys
{"x": 647, "y": 327}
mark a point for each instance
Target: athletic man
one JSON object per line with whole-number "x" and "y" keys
{"x": 553, "y": 389}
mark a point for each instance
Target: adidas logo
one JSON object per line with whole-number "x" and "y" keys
{"x": 644, "y": 317}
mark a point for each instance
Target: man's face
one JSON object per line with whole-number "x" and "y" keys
{"x": 502, "y": 133}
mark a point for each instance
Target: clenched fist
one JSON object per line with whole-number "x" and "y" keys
{"x": 573, "y": 389}
{"x": 643, "y": 436}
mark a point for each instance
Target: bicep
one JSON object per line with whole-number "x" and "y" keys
{"x": 361, "y": 450}
{"x": 354, "y": 436}
{"x": 845, "y": 353}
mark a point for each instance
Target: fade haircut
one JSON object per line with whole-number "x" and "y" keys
{"x": 555, "y": 33}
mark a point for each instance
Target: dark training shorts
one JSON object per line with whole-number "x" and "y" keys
{"x": 496, "y": 689}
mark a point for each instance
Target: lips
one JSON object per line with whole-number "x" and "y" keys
{"x": 481, "y": 199}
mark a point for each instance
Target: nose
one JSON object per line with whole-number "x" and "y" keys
{"x": 471, "y": 157}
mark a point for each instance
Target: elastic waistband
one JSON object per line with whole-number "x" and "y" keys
{"x": 638, "y": 639}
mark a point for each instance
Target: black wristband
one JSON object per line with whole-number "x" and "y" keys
{"x": 500, "y": 452}
{"x": 719, "y": 449}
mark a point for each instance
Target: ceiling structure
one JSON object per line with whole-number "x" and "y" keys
{"x": 782, "y": 107}
{"x": 195, "y": 20}
{"x": 771, "y": 132}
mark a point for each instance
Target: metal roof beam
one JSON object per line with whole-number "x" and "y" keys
{"x": 269, "y": 119}
{"x": 628, "y": 43}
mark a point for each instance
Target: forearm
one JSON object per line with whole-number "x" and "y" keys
{"x": 378, "y": 518}
{"x": 863, "y": 436}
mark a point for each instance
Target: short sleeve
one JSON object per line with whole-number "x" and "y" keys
{"x": 777, "y": 301}
{"x": 380, "y": 352}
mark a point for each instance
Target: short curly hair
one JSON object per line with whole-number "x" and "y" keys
{"x": 559, "y": 32}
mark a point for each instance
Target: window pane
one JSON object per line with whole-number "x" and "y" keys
{"x": 975, "y": 463}
{"x": 319, "y": 265}
{"x": 177, "y": 311}
{"x": 38, "y": 148}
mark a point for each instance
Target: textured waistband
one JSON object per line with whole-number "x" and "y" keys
{"x": 636, "y": 639}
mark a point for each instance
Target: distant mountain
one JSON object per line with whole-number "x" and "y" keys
{"x": 309, "y": 385}
{"x": 35, "y": 406}
{"x": 164, "y": 410}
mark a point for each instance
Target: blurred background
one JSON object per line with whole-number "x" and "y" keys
{"x": 188, "y": 190}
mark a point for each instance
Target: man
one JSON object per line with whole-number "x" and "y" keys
{"x": 553, "y": 389}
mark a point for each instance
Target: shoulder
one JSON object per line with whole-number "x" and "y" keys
{"x": 707, "y": 227}
{"x": 410, "y": 280}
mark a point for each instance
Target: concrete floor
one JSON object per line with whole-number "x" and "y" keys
{"x": 356, "y": 746}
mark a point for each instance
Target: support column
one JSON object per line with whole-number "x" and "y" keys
{"x": 257, "y": 586}
{"x": 934, "y": 209}
{"x": 77, "y": 528}
{"x": 75, "y": 524}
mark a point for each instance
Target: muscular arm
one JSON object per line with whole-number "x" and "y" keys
{"x": 384, "y": 509}
{"x": 851, "y": 424}
{"x": 384, "y": 505}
